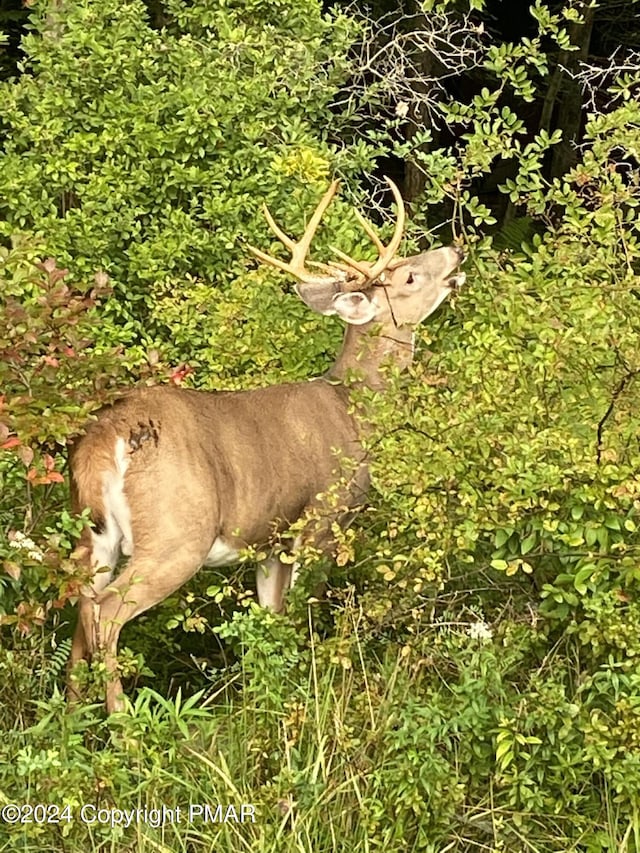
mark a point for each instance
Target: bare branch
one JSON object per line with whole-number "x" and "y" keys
{"x": 598, "y": 79}
{"x": 403, "y": 60}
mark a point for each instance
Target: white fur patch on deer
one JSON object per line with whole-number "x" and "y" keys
{"x": 221, "y": 554}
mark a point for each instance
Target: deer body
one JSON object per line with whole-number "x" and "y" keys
{"x": 248, "y": 465}
{"x": 176, "y": 479}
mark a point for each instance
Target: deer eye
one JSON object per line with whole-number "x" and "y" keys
{"x": 410, "y": 278}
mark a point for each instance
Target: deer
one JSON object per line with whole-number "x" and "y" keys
{"x": 175, "y": 479}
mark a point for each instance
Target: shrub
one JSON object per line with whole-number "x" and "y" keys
{"x": 472, "y": 678}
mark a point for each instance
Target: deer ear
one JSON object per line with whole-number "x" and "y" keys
{"x": 319, "y": 295}
{"x": 355, "y": 308}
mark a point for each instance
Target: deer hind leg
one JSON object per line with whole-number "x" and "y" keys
{"x": 101, "y": 552}
{"x": 146, "y": 581}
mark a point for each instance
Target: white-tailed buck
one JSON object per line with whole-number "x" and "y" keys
{"x": 176, "y": 479}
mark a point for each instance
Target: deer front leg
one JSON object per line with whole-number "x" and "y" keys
{"x": 273, "y": 578}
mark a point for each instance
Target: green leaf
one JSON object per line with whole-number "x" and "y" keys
{"x": 583, "y": 575}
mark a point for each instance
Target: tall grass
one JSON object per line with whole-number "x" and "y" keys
{"x": 339, "y": 743}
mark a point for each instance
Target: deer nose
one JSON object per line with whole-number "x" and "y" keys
{"x": 459, "y": 252}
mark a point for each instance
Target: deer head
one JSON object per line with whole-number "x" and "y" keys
{"x": 394, "y": 293}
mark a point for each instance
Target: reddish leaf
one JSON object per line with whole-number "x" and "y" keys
{"x": 53, "y": 477}
{"x": 179, "y": 374}
{"x": 29, "y": 616}
{"x": 55, "y": 276}
{"x": 14, "y": 441}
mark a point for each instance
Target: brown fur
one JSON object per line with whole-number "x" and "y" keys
{"x": 262, "y": 453}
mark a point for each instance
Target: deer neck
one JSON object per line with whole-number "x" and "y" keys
{"x": 366, "y": 349}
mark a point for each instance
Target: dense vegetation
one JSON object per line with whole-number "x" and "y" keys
{"x": 472, "y": 679}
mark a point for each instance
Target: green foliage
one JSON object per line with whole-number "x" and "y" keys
{"x": 498, "y": 134}
{"x": 148, "y": 153}
{"x": 513, "y": 449}
{"x": 437, "y": 742}
{"x": 471, "y": 680}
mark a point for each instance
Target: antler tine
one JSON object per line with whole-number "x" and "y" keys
{"x": 360, "y": 267}
{"x": 370, "y": 232}
{"x": 272, "y": 262}
{"x": 386, "y": 256}
{"x": 299, "y": 248}
{"x": 284, "y": 238}
{"x": 386, "y": 253}
{"x": 303, "y": 244}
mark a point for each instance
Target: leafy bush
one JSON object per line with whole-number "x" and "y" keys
{"x": 148, "y": 153}
{"x": 512, "y": 450}
{"x": 472, "y": 678}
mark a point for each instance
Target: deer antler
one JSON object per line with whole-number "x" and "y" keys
{"x": 365, "y": 272}
{"x": 299, "y": 249}
{"x": 386, "y": 253}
